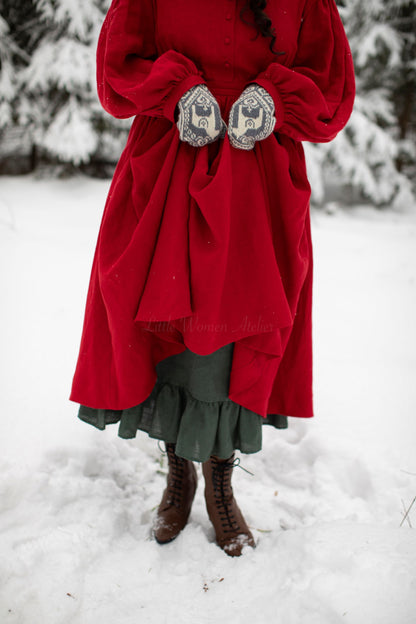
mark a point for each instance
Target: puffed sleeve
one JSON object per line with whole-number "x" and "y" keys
{"x": 131, "y": 78}
{"x": 315, "y": 96}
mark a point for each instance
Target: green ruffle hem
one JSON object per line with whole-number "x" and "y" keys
{"x": 189, "y": 406}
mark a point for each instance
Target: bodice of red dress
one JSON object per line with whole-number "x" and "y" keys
{"x": 200, "y": 247}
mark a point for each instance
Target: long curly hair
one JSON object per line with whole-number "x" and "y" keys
{"x": 262, "y": 21}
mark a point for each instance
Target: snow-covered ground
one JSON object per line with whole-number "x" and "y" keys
{"x": 327, "y": 496}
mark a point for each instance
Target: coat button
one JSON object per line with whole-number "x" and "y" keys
{"x": 228, "y": 16}
{"x": 227, "y": 64}
{"x": 227, "y": 40}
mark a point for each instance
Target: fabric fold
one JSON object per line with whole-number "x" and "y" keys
{"x": 198, "y": 428}
{"x": 132, "y": 78}
{"x": 209, "y": 284}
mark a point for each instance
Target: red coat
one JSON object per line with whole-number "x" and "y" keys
{"x": 200, "y": 247}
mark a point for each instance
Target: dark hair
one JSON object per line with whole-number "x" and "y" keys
{"x": 262, "y": 20}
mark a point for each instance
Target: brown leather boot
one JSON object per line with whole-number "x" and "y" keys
{"x": 176, "y": 503}
{"x": 231, "y": 530}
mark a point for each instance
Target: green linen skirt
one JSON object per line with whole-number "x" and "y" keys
{"x": 189, "y": 406}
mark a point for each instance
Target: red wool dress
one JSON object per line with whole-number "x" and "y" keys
{"x": 201, "y": 247}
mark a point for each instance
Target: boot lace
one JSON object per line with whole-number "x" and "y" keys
{"x": 223, "y": 493}
{"x": 176, "y": 476}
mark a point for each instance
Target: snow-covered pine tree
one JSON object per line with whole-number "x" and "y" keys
{"x": 60, "y": 106}
{"x": 12, "y": 57}
{"x": 404, "y": 84}
{"x": 15, "y": 148}
{"x": 7, "y": 74}
{"x": 369, "y": 153}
